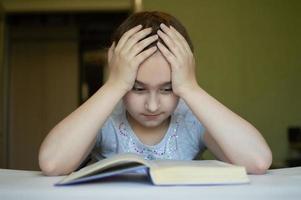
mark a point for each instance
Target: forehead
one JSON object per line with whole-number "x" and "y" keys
{"x": 154, "y": 71}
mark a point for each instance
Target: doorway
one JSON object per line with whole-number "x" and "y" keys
{"x": 56, "y": 61}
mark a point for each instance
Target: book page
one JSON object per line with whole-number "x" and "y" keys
{"x": 116, "y": 161}
{"x": 190, "y": 163}
{"x": 173, "y": 172}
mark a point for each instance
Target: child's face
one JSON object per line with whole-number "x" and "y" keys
{"x": 151, "y": 101}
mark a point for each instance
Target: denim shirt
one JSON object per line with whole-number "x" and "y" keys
{"x": 182, "y": 141}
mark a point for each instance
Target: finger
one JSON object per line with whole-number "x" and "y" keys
{"x": 167, "y": 54}
{"x": 134, "y": 39}
{"x": 144, "y": 55}
{"x": 138, "y": 47}
{"x": 182, "y": 39}
{"x": 174, "y": 49}
{"x": 126, "y": 35}
{"x": 171, "y": 34}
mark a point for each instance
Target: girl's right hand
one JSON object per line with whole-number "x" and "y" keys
{"x": 124, "y": 58}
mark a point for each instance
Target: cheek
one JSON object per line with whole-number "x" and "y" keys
{"x": 132, "y": 101}
{"x": 126, "y": 99}
{"x": 171, "y": 102}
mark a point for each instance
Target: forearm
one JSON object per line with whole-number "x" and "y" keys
{"x": 70, "y": 141}
{"x": 237, "y": 140}
{"x": 240, "y": 142}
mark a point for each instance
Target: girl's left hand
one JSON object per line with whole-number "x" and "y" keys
{"x": 180, "y": 57}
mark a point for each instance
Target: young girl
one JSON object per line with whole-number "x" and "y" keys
{"x": 152, "y": 105}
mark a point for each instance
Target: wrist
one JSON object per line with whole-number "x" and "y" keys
{"x": 192, "y": 93}
{"x": 116, "y": 87}
{"x": 185, "y": 90}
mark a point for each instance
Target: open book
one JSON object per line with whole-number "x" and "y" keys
{"x": 161, "y": 172}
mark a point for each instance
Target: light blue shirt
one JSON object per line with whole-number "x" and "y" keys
{"x": 182, "y": 141}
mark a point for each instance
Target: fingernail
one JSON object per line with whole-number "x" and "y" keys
{"x": 162, "y": 25}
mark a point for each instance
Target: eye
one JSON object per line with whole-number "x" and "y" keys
{"x": 138, "y": 89}
{"x": 166, "y": 90}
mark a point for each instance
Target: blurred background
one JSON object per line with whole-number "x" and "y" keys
{"x": 53, "y": 57}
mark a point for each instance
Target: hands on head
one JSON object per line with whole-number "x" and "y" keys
{"x": 131, "y": 51}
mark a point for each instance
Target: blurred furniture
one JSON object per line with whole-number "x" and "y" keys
{"x": 294, "y": 141}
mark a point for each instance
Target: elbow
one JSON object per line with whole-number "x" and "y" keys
{"x": 50, "y": 167}
{"x": 261, "y": 164}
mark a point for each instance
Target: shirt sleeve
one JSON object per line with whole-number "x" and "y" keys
{"x": 194, "y": 128}
{"x": 197, "y": 129}
{"x": 102, "y": 137}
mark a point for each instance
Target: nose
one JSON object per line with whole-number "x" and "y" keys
{"x": 152, "y": 103}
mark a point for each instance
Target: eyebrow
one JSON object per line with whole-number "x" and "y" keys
{"x": 162, "y": 84}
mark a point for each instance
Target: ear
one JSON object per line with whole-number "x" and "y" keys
{"x": 110, "y": 52}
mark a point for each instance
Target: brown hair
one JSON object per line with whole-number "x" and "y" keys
{"x": 151, "y": 19}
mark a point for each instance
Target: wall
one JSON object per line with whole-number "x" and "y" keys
{"x": 2, "y": 137}
{"x": 248, "y": 57}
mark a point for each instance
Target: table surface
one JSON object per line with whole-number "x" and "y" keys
{"x": 276, "y": 184}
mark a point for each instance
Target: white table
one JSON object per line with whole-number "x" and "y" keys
{"x": 276, "y": 184}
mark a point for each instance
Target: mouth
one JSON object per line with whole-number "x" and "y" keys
{"x": 151, "y": 116}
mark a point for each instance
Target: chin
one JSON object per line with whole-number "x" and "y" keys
{"x": 151, "y": 124}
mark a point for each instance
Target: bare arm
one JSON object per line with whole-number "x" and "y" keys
{"x": 70, "y": 141}
{"x": 228, "y": 136}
